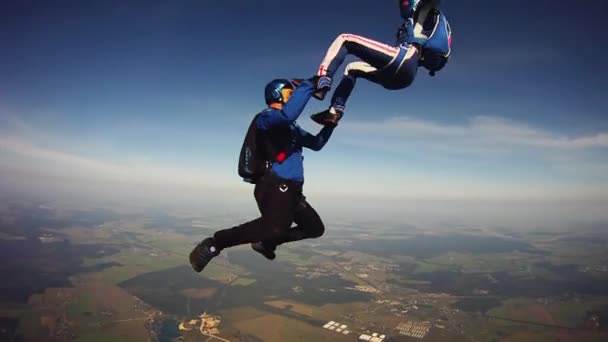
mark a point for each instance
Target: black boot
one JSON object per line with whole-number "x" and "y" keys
{"x": 268, "y": 253}
{"x": 202, "y": 254}
{"x": 326, "y": 118}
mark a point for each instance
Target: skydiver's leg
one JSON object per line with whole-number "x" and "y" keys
{"x": 345, "y": 87}
{"x": 347, "y": 84}
{"x": 277, "y": 204}
{"x": 308, "y": 226}
{"x": 369, "y": 51}
{"x": 398, "y": 74}
{"x": 343, "y": 91}
{"x": 376, "y": 54}
{"x": 277, "y": 199}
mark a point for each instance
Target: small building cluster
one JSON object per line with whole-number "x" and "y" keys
{"x": 363, "y": 288}
{"x": 337, "y": 327}
{"x": 48, "y": 238}
{"x": 413, "y": 329}
{"x": 375, "y": 337}
{"x": 187, "y": 326}
{"x": 209, "y": 324}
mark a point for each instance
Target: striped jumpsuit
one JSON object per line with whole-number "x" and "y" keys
{"x": 391, "y": 66}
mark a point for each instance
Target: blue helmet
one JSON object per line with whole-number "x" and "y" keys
{"x": 435, "y": 37}
{"x": 409, "y": 9}
{"x": 272, "y": 92}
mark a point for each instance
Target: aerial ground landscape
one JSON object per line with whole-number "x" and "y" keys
{"x": 90, "y": 273}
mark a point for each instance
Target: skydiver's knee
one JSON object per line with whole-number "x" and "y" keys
{"x": 348, "y": 69}
{"x": 317, "y": 230}
{"x": 276, "y": 233}
{"x": 341, "y": 38}
{"x": 351, "y": 70}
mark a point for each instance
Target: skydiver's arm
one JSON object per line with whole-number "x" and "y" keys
{"x": 291, "y": 110}
{"x": 316, "y": 142}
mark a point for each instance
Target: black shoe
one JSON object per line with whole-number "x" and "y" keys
{"x": 266, "y": 252}
{"x": 202, "y": 254}
{"x": 326, "y": 118}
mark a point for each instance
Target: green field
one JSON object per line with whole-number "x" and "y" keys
{"x": 5, "y": 236}
{"x": 160, "y": 254}
{"x": 481, "y": 263}
{"x": 424, "y": 267}
{"x": 286, "y": 255}
{"x": 30, "y": 325}
{"x": 242, "y": 281}
{"x": 572, "y": 313}
{"x": 101, "y": 337}
{"x": 135, "y": 264}
{"x": 85, "y": 311}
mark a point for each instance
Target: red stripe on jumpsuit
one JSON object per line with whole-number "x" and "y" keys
{"x": 334, "y": 49}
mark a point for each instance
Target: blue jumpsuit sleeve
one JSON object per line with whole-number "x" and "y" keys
{"x": 315, "y": 142}
{"x": 291, "y": 110}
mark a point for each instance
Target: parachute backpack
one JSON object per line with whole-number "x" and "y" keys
{"x": 252, "y": 164}
{"x": 432, "y": 30}
{"x": 261, "y": 149}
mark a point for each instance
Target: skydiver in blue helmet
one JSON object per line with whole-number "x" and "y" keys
{"x": 424, "y": 39}
{"x": 286, "y": 214}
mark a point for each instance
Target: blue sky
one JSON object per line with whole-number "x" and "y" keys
{"x": 147, "y": 93}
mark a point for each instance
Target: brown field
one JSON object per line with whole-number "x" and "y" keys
{"x": 565, "y": 336}
{"x": 330, "y": 312}
{"x": 46, "y": 314}
{"x": 90, "y": 308}
{"x": 126, "y": 321}
{"x": 79, "y": 235}
{"x": 540, "y": 314}
{"x": 199, "y": 293}
{"x": 558, "y": 336}
{"x": 12, "y": 310}
{"x": 530, "y": 337}
{"x": 328, "y": 252}
{"x": 242, "y": 313}
{"x": 296, "y": 307}
{"x": 274, "y": 328}
{"x": 525, "y": 310}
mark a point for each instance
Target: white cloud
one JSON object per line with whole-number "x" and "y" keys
{"x": 495, "y": 158}
{"x": 135, "y": 172}
{"x": 30, "y": 152}
{"x": 479, "y": 131}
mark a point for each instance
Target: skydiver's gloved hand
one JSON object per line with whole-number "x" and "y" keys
{"x": 315, "y": 80}
{"x": 323, "y": 86}
{"x": 321, "y": 83}
{"x": 298, "y": 81}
